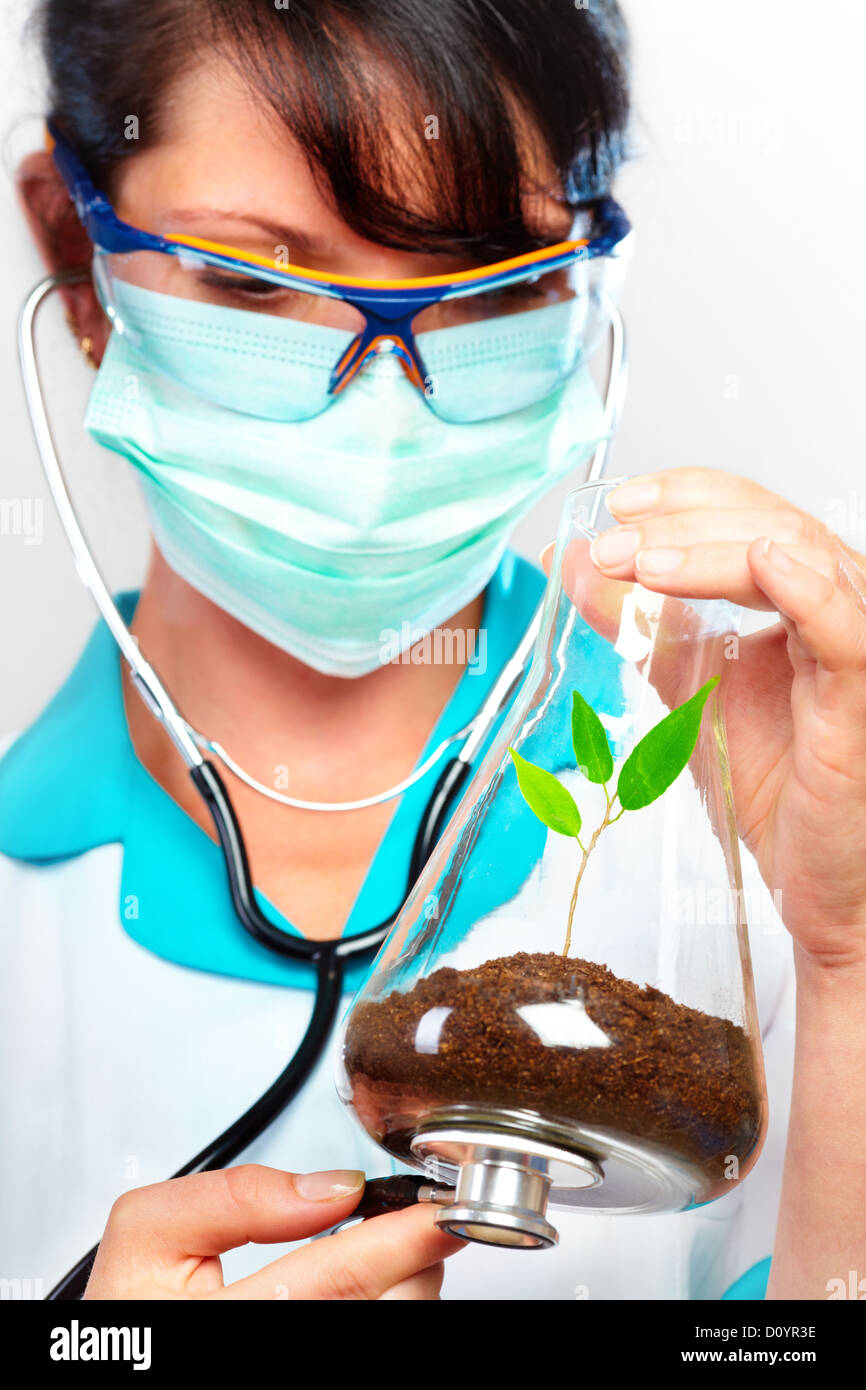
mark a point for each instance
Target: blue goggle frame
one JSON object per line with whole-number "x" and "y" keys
{"x": 388, "y": 307}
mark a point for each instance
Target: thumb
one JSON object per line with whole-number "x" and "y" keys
{"x": 826, "y": 619}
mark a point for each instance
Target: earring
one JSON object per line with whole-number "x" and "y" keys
{"x": 86, "y": 345}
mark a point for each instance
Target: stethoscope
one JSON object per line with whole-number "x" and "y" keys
{"x": 328, "y": 958}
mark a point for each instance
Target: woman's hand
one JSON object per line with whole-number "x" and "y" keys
{"x": 795, "y": 702}
{"x": 795, "y": 711}
{"x": 164, "y": 1242}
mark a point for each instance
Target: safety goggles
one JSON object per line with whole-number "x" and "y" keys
{"x": 476, "y": 344}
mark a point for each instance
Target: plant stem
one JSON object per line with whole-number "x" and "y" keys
{"x": 608, "y": 820}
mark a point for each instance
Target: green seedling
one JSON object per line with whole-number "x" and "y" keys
{"x": 650, "y": 768}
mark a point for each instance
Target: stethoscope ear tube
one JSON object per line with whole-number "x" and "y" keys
{"x": 144, "y": 676}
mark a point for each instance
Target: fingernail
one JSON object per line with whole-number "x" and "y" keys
{"x": 614, "y": 548}
{"x": 659, "y": 561}
{"x": 778, "y": 557}
{"x": 328, "y": 1187}
{"x": 632, "y": 499}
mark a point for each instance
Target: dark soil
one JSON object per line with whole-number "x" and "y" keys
{"x": 673, "y": 1075}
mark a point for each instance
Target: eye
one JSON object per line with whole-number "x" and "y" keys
{"x": 525, "y": 289}
{"x": 243, "y": 285}
{"x": 538, "y": 289}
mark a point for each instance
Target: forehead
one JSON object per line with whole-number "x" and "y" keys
{"x": 217, "y": 140}
{"x": 221, "y": 144}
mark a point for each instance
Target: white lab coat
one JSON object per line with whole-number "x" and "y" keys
{"x": 117, "y": 1063}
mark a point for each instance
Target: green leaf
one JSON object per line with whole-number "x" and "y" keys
{"x": 591, "y": 748}
{"x": 659, "y": 758}
{"x": 546, "y": 798}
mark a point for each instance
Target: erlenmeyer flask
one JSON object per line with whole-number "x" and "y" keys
{"x": 564, "y": 1012}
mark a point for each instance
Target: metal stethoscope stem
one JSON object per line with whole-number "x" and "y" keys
{"x": 327, "y": 957}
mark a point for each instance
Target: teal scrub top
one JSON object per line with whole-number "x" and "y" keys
{"x": 73, "y": 782}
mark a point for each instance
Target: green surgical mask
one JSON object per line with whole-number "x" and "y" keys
{"x": 325, "y": 536}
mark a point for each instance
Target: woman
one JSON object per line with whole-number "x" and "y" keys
{"x": 379, "y": 142}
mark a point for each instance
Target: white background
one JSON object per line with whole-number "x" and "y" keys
{"x": 746, "y": 303}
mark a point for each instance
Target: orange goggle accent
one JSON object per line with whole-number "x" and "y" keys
{"x": 462, "y": 277}
{"x": 397, "y": 347}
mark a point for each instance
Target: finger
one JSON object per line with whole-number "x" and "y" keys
{"x": 829, "y": 624}
{"x": 362, "y": 1262}
{"x": 698, "y": 526}
{"x": 425, "y": 1286}
{"x": 208, "y": 1213}
{"x": 710, "y": 570}
{"x": 684, "y": 489}
{"x": 690, "y": 489}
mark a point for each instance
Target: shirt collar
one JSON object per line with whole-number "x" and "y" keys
{"x": 73, "y": 782}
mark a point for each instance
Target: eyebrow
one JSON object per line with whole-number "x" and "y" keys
{"x": 292, "y": 237}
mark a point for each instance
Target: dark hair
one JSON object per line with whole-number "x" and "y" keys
{"x": 490, "y": 71}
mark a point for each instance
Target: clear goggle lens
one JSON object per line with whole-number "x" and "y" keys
{"x": 482, "y": 354}
{"x": 491, "y": 353}
{"x": 252, "y": 346}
